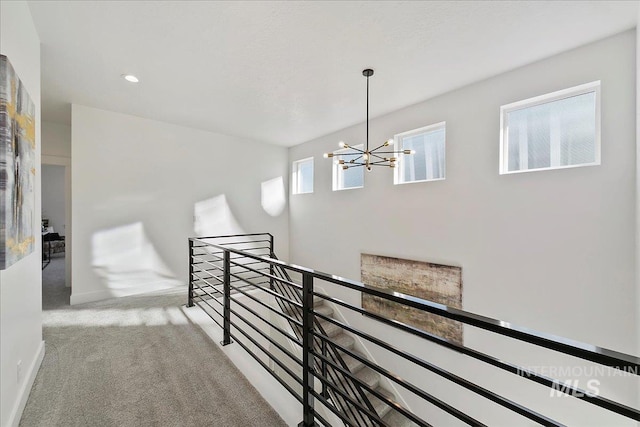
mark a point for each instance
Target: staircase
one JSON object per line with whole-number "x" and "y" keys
{"x": 368, "y": 400}
{"x": 363, "y": 373}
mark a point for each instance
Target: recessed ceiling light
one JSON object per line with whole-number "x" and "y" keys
{"x": 130, "y": 78}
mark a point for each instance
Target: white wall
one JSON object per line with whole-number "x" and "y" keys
{"x": 553, "y": 251}
{"x": 135, "y": 185}
{"x": 20, "y": 284}
{"x": 56, "y": 139}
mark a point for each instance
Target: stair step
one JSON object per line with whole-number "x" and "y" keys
{"x": 324, "y": 309}
{"x": 353, "y": 364}
{"x": 379, "y": 405}
{"x": 344, "y": 340}
{"x": 396, "y": 419}
{"x": 330, "y": 329}
{"x": 368, "y": 376}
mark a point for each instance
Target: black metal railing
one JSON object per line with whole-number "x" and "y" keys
{"x": 245, "y": 289}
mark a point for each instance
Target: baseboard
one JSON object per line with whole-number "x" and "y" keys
{"x": 81, "y": 298}
{"x": 25, "y": 390}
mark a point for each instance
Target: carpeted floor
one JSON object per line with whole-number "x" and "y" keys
{"x": 54, "y": 292}
{"x": 137, "y": 361}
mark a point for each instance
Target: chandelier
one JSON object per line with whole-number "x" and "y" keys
{"x": 379, "y": 156}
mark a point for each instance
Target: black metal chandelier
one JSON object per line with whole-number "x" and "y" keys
{"x": 367, "y": 158}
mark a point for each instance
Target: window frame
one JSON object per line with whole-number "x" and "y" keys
{"x": 583, "y": 89}
{"x": 338, "y": 172}
{"x": 399, "y": 169}
{"x": 295, "y": 176}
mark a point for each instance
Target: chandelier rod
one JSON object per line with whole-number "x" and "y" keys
{"x": 367, "y": 74}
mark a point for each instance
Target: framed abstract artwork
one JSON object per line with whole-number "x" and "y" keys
{"x": 17, "y": 167}
{"x": 434, "y": 282}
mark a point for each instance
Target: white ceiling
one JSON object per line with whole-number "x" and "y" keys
{"x": 287, "y": 72}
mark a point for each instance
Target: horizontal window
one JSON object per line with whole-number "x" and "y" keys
{"x": 344, "y": 175}
{"x": 557, "y": 130}
{"x": 427, "y": 159}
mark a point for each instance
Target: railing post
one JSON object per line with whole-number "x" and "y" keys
{"x": 308, "y": 413}
{"x": 190, "y": 298}
{"x": 226, "y": 270}
{"x": 325, "y": 390}
{"x": 271, "y": 269}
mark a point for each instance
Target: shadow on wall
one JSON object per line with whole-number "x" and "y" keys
{"x": 273, "y": 197}
{"x": 128, "y": 263}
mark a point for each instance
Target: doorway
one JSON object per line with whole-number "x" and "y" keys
{"x": 56, "y": 283}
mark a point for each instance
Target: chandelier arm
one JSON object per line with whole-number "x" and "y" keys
{"x": 380, "y": 162}
{"x": 384, "y": 144}
{"x": 354, "y": 148}
{"x": 376, "y": 155}
{"x": 391, "y": 152}
{"x": 359, "y": 153}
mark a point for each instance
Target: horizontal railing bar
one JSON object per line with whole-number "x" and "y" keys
{"x": 246, "y": 242}
{"x": 255, "y": 249}
{"x": 257, "y": 285}
{"x": 351, "y": 400}
{"x": 268, "y": 338}
{"x": 200, "y": 269}
{"x": 412, "y": 388}
{"x": 203, "y": 261}
{"x": 268, "y": 369}
{"x": 215, "y": 255}
{"x": 205, "y": 280}
{"x": 275, "y": 294}
{"x": 289, "y": 283}
{"x": 596, "y": 354}
{"x": 500, "y": 400}
{"x": 209, "y": 275}
{"x": 271, "y": 276}
{"x": 332, "y": 408}
{"x": 246, "y": 271}
{"x": 235, "y": 265}
{"x": 291, "y": 319}
{"x": 394, "y": 405}
{"x": 585, "y": 351}
{"x": 250, "y": 263}
{"x": 212, "y": 308}
{"x": 215, "y": 298}
{"x": 249, "y": 278}
{"x": 596, "y": 400}
{"x": 322, "y": 420}
{"x": 282, "y": 331}
{"x": 206, "y": 297}
{"x": 266, "y": 352}
{"x": 225, "y": 236}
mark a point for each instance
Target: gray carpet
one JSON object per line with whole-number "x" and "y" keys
{"x": 138, "y": 361}
{"x": 54, "y": 292}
